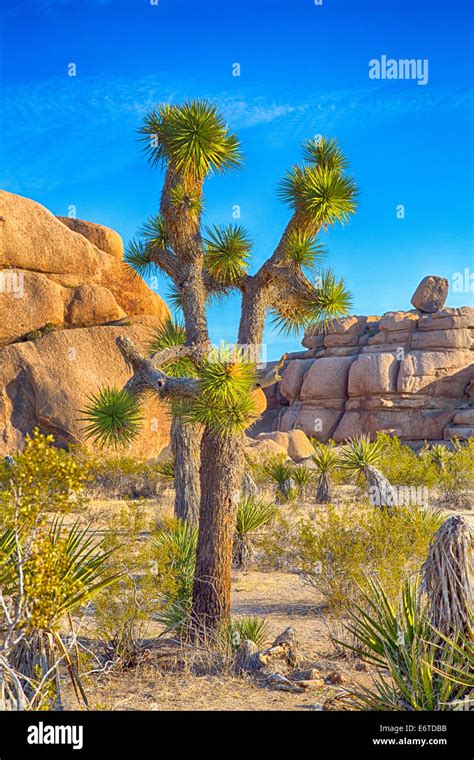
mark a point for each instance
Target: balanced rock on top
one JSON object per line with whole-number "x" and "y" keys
{"x": 431, "y": 294}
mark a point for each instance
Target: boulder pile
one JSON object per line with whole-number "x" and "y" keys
{"x": 406, "y": 373}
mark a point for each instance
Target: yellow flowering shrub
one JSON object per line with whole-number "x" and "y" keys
{"x": 43, "y": 478}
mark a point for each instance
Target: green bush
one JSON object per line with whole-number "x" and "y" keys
{"x": 39, "y": 479}
{"x": 402, "y": 466}
{"x": 336, "y": 550}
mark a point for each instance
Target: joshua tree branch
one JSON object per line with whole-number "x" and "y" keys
{"x": 272, "y": 376}
{"x": 165, "y": 260}
{"x": 147, "y": 375}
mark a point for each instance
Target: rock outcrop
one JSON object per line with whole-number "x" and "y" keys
{"x": 410, "y": 374}
{"x": 65, "y": 295}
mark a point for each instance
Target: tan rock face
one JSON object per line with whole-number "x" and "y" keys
{"x": 32, "y": 239}
{"x": 69, "y": 277}
{"x": 405, "y": 373}
{"x": 258, "y": 451}
{"x": 47, "y": 383}
{"x": 295, "y": 443}
{"x": 102, "y": 237}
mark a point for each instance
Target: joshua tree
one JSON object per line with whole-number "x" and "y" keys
{"x": 326, "y": 461}
{"x": 191, "y": 141}
{"x": 360, "y": 456}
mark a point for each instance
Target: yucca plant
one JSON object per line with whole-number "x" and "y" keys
{"x": 281, "y": 473}
{"x": 360, "y": 456}
{"x": 418, "y": 668}
{"x": 190, "y": 141}
{"x": 174, "y": 549}
{"x": 62, "y": 570}
{"x": 252, "y": 514}
{"x": 302, "y": 476}
{"x": 246, "y": 628}
{"x": 327, "y": 461}
{"x": 439, "y": 456}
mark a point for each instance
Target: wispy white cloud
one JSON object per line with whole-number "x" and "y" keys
{"x": 71, "y": 118}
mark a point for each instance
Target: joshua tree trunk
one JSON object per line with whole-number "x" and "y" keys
{"x": 249, "y": 486}
{"x": 185, "y": 445}
{"x": 222, "y": 461}
{"x": 382, "y": 492}
{"x": 324, "y": 490}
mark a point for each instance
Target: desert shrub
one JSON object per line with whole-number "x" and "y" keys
{"x": 402, "y": 466}
{"x": 124, "y": 477}
{"x": 418, "y": 668}
{"x": 39, "y": 479}
{"x": 456, "y": 478}
{"x": 47, "y": 573}
{"x": 123, "y": 614}
{"x": 336, "y": 550}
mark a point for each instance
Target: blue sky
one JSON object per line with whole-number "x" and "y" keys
{"x": 304, "y": 71}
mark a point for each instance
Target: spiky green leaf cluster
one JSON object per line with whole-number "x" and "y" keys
{"x": 302, "y": 249}
{"x": 114, "y": 417}
{"x": 324, "y": 151}
{"x": 186, "y": 201}
{"x": 137, "y": 258}
{"x": 166, "y": 469}
{"x": 226, "y": 252}
{"x": 246, "y": 628}
{"x": 278, "y": 471}
{"x": 329, "y": 300}
{"x": 360, "y": 452}
{"x": 326, "y": 459}
{"x": 417, "y": 667}
{"x": 154, "y": 232}
{"x": 252, "y": 514}
{"x": 320, "y": 194}
{"x": 225, "y": 402}
{"x": 191, "y": 137}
